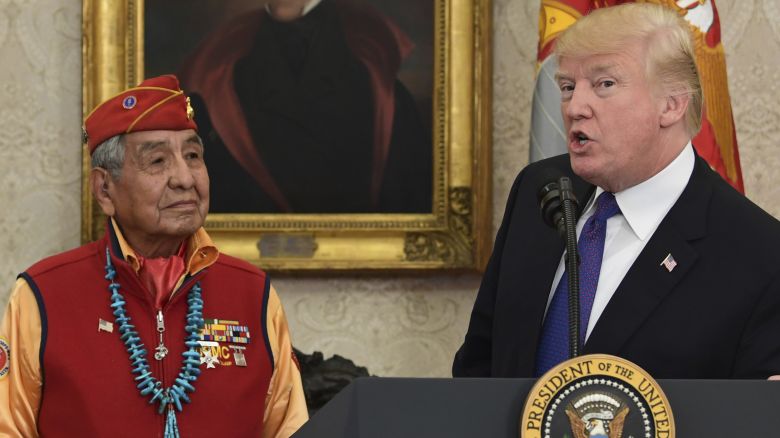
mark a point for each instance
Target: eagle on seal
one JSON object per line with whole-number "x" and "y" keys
{"x": 596, "y": 427}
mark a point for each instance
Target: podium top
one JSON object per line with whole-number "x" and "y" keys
{"x": 410, "y": 408}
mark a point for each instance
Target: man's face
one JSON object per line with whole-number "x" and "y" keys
{"x": 163, "y": 191}
{"x": 612, "y": 117}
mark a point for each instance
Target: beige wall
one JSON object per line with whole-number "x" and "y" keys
{"x": 408, "y": 326}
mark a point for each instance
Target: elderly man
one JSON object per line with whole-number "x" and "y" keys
{"x": 149, "y": 331}
{"x": 676, "y": 267}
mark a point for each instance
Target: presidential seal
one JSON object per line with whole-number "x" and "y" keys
{"x": 596, "y": 396}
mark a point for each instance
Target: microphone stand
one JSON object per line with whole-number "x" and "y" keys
{"x": 570, "y": 206}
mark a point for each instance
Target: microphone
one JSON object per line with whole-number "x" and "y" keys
{"x": 560, "y": 210}
{"x": 549, "y": 196}
{"x": 554, "y": 196}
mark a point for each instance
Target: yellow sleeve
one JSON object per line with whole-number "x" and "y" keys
{"x": 285, "y": 405}
{"x": 20, "y": 386}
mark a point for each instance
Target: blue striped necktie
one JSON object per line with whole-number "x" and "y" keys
{"x": 554, "y": 342}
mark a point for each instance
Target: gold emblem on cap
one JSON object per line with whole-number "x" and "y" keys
{"x": 190, "y": 111}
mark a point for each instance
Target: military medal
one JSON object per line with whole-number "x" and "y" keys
{"x": 225, "y": 330}
{"x": 209, "y": 359}
{"x": 238, "y": 355}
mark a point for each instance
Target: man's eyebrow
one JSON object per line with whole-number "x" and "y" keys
{"x": 609, "y": 67}
{"x": 195, "y": 138}
{"x": 151, "y": 145}
{"x": 561, "y": 76}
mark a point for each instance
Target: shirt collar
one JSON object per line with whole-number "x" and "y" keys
{"x": 200, "y": 254}
{"x": 645, "y": 205}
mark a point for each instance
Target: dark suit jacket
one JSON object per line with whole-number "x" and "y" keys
{"x": 716, "y": 315}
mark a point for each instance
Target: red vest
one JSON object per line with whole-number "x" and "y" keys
{"x": 88, "y": 386}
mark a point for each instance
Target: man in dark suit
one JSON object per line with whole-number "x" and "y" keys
{"x": 304, "y": 113}
{"x": 683, "y": 280}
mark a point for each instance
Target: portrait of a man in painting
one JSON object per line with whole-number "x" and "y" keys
{"x": 305, "y": 106}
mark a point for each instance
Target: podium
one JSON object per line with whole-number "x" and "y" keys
{"x": 453, "y": 408}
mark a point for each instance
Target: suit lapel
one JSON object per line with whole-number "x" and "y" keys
{"x": 648, "y": 281}
{"x": 645, "y": 285}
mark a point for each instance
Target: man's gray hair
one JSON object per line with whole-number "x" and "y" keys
{"x": 110, "y": 155}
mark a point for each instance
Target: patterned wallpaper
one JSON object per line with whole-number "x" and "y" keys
{"x": 40, "y": 119}
{"x": 396, "y": 326}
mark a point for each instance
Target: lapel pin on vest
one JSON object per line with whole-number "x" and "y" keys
{"x": 105, "y": 326}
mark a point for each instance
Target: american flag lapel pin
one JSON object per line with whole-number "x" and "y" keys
{"x": 669, "y": 262}
{"x": 105, "y": 326}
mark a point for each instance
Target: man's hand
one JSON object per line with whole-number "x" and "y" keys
{"x": 774, "y": 378}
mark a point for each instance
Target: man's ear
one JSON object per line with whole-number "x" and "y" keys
{"x": 674, "y": 108}
{"x": 100, "y": 181}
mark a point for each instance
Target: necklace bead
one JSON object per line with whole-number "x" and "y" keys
{"x": 148, "y": 385}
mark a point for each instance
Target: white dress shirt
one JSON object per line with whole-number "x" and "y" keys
{"x": 642, "y": 208}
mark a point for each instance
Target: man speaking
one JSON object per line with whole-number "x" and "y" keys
{"x": 678, "y": 270}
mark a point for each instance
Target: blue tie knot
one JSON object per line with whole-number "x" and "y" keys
{"x": 606, "y": 207}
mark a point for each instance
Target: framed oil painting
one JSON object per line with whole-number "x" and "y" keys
{"x": 348, "y": 135}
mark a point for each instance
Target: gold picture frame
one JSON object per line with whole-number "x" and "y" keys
{"x": 456, "y": 235}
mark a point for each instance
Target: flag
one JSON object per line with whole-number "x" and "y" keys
{"x": 105, "y": 326}
{"x": 716, "y": 142}
{"x": 669, "y": 262}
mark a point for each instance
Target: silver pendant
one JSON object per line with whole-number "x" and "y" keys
{"x": 160, "y": 352}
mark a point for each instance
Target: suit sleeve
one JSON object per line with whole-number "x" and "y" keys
{"x": 20, "y": 383}
{"x": 473, "y": 359}
{"x": 285, "y": 406}
{"x": 759, "y": 354}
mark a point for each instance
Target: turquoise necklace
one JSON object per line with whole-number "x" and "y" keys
{"x": 148, "y": 385}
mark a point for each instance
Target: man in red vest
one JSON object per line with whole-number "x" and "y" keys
{"x": 149, "y": 331}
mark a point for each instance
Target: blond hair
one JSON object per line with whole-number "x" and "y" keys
{"x": 670, "y": 60}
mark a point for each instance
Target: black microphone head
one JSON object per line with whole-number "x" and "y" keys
{"x": 549, "y": 197}
{"x": 567, "y": 194}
